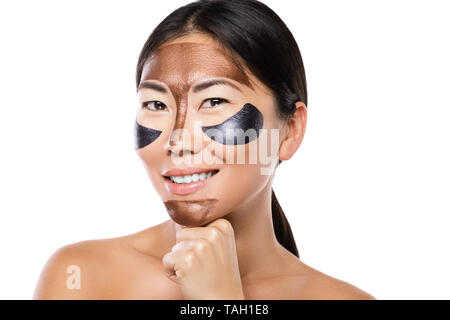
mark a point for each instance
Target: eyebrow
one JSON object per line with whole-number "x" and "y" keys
{"x": 196, "y": 88}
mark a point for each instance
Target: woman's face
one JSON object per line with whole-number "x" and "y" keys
{"x": 181, "y": 124}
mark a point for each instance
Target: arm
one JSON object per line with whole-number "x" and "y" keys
{"x": 64, "y": 275}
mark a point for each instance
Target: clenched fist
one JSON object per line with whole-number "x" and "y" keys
{"x": 204, "y": 262}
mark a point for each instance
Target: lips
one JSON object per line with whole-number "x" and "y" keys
{"x": 187, "y": 188}
{"x": 186, "y": 171}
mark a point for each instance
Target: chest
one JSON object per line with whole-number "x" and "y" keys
{"x": 144, "y": 279}
{"x": 158, "y": 287}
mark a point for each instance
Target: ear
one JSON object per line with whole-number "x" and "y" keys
{"x": 295, "y": 132}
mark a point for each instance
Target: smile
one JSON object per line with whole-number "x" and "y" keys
{"x": 192, "y": 177}
{"x": 186, "y": 181}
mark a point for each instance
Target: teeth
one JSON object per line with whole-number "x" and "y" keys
{"x": 191, "y": 178}
{"x": 177, "y": 179}
{"x": 187, "y": 179}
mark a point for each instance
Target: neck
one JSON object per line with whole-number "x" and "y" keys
{"x": 256, "y": 243}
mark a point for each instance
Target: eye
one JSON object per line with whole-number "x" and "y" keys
{"x": 154, "y": 105}
{"x": 214, "y": 102}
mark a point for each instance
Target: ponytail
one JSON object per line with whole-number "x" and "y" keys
{"x": 281, "y": 226}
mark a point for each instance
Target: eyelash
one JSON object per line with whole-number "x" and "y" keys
{"x": 145, "y": 104}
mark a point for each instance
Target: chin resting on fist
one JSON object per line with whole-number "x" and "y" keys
{"x": 204, "y": 262}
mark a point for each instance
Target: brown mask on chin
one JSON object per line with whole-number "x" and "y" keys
{"x": 191, "y": 213}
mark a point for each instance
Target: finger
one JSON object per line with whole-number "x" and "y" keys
{"x": 177, "y": 260}
{"x": 211, "y": 234}
{"x": 169, "y": 266}
{"x": 168, "y": 261}
{"x": 223, "y": 225}
{"x": 176, "y": 277}
{"x": 183, "y": 245}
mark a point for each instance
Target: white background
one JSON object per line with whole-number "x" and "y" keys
{"x": 367, "y": 194}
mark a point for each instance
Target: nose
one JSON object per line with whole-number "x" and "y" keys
{"x": 185, "y": 137}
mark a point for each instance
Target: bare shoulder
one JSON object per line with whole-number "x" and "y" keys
{"x": 299, "y": 281}
{"x": 318, "y": 285}
{"x": 101, "y": 269}
{"x": 72, "y": 271}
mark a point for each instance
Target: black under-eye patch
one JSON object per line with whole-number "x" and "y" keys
{"x": 233, "y": 131}
{"x": 144, "y": 136}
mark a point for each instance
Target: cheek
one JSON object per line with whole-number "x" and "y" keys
{"x": 149, "y": 128}
{"x": 143, "y": 136}
{"x": 238, "y": 184}
{"x": 241, "y": 139}
{"x": 152, "y": 157}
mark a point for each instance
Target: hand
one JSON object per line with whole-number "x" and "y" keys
{"x": 204, "y": 262}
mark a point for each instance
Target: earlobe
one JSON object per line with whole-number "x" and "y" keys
{"x": 295, "y": 132}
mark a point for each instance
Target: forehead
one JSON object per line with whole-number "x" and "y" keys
{"x": 186, "y": 62}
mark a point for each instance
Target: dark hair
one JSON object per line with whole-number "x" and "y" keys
{"x": 258, "y": 40}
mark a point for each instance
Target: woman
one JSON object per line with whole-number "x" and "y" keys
{"x": 218, "y": 82}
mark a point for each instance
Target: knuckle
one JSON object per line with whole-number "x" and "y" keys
{"x": 214, "y": 234}
{"x": 165, "y": 259}
{"x": 224, "y": 226}
{"x": 201, "y": 245}
{"x": 189, "y": 259}
{"x": 225, "y": 223}
{"x": 227, "y": 227}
